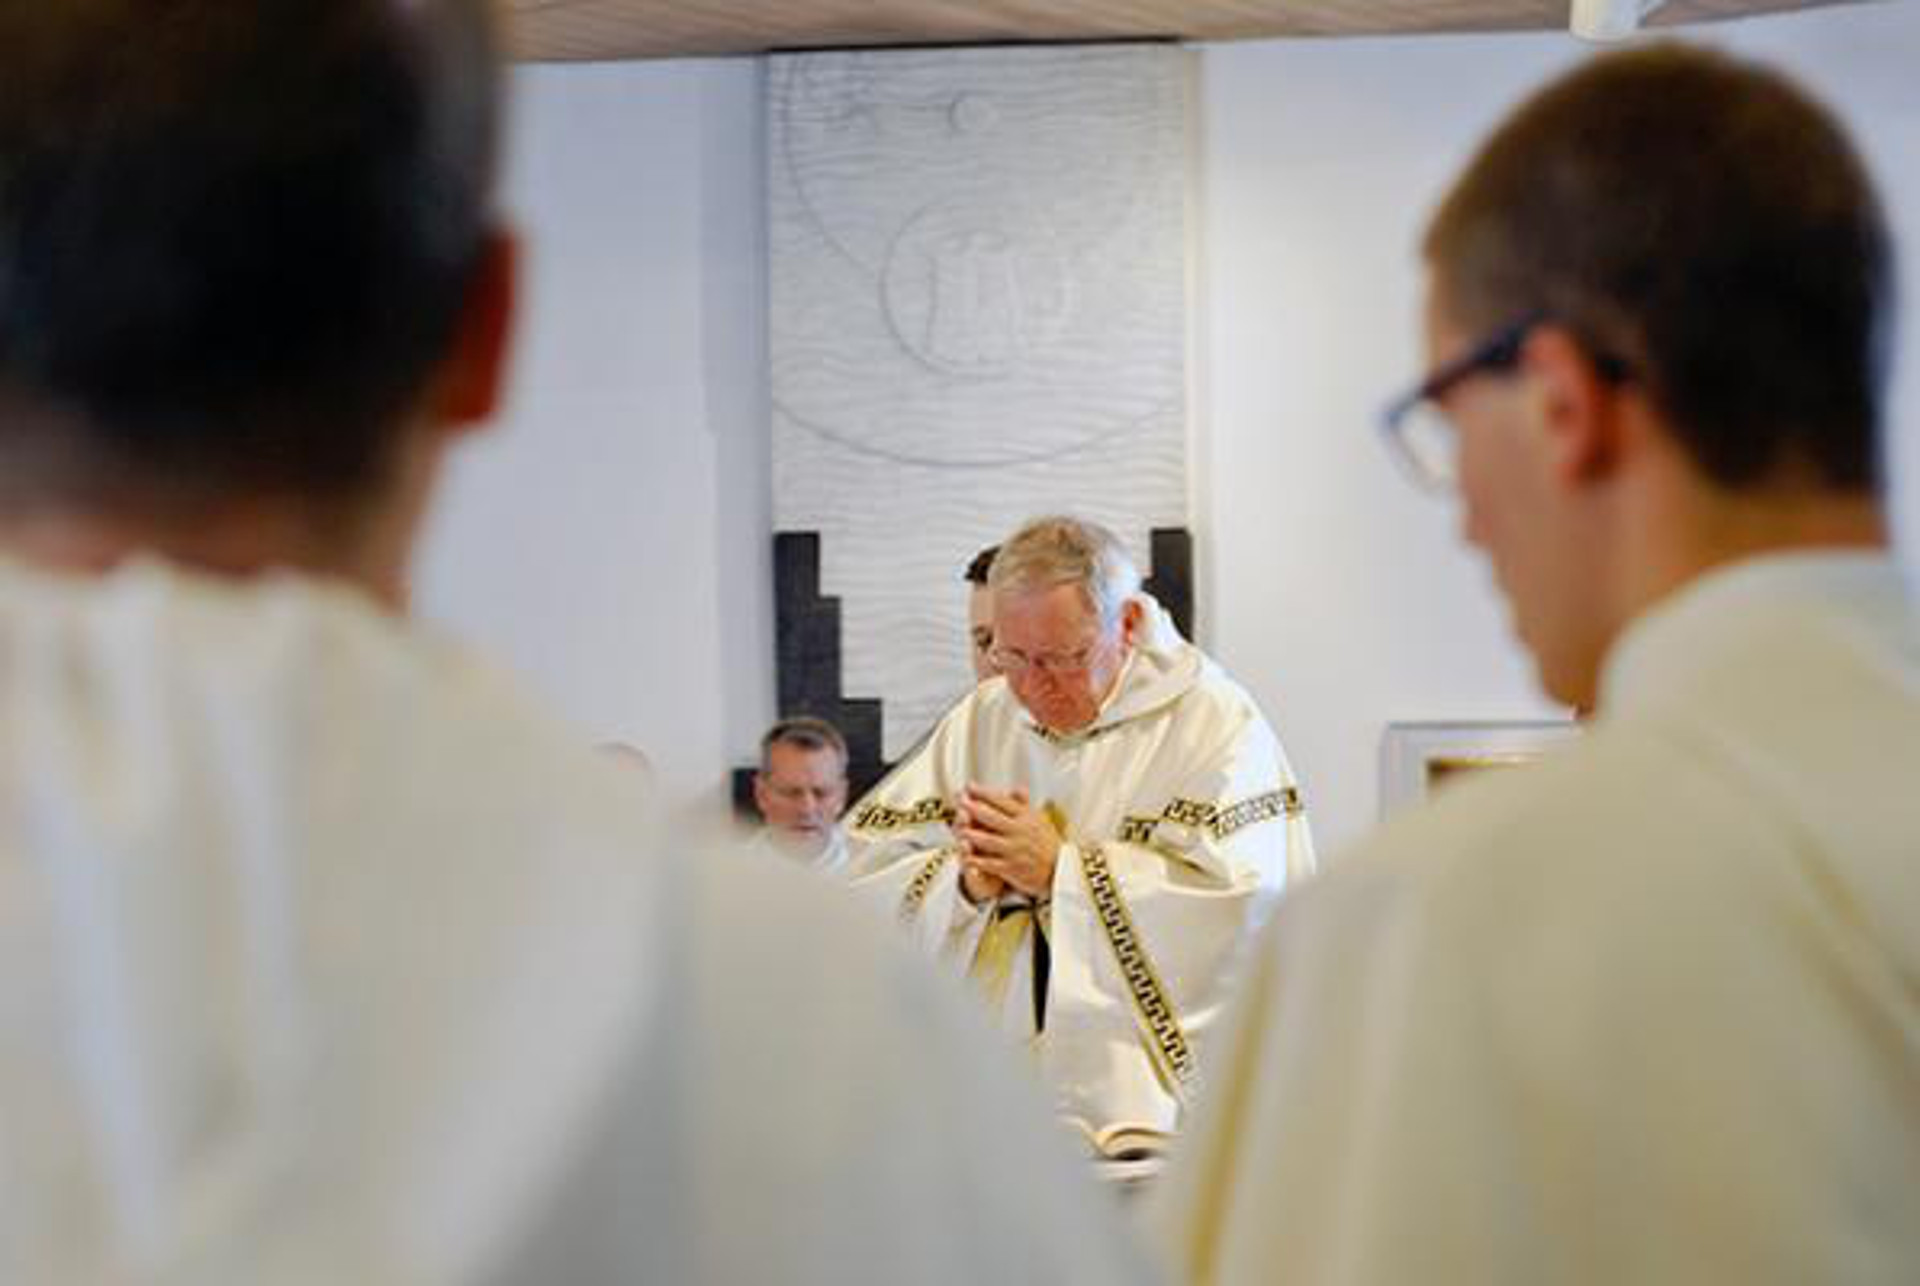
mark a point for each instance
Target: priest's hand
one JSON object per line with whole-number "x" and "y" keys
{"x": 1004, "y": 836}
{"x": 975, "y": 884}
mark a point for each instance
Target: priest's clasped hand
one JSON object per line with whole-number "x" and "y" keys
{"x": 1005, "y": 842}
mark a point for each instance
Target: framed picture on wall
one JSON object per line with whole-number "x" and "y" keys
{"x": 1417, "y": 759}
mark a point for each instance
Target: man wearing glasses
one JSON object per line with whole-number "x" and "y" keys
{"x": 1090, "y": 835}
{"x": 801, "y": 790}
{"x": 1646, "y": 1012}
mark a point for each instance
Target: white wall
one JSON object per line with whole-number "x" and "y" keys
{"x": 610, "y": 541}
{"x": 1342, "y": 597}
{"x": 607, "y": 537}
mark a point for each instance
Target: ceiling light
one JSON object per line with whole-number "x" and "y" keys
{"x": 1608, "y": 20}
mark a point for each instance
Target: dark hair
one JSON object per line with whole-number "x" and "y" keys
{"x": 1703, "y": 222}
{"x": 235, "y": 235}
{"x": 981, "y": 566}
{"x": 806, "y": 732}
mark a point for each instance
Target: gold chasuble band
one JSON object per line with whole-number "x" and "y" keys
{"x": 1005, "y": 935}
{"x": 921, "y": 884}
{"x": 1166, "y": 1042}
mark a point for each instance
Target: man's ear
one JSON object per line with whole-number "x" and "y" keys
{"x": 1133, "y": 615}
{"x": 473, "y": 378}
{"x": 1575, "y": 405}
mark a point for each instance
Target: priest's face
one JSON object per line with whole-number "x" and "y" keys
{"x": 1060, "y": 659}
{"x": 801, "y": 793}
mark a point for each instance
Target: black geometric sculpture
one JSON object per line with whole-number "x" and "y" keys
{"x": 807, "y": 670}
{"x": 1171, "y": 580}
{"x": 806, "y": 647}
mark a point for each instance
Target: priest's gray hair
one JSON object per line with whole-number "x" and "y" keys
{"x": 1060, "y": 550}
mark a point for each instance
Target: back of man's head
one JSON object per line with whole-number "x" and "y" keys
{"x": 1704, "y": 225}
{"x": 235, "y": 237}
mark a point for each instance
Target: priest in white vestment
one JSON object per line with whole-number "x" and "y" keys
{"x": 1648, "y": 1011}
{"x": 325, "y": 958}
{"x": 1091, "y": 836}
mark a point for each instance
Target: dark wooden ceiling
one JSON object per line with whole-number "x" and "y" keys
{"x": 555, "y": 30}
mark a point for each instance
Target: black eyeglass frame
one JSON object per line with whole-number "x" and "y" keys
{"x": 1500, "y": 351}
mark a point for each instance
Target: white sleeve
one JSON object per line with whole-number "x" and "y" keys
{"x": 1161, "y": 912}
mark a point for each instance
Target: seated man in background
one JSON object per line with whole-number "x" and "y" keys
{"x": 801, "y": 790}
{"x": 1648, "y": 1011}
{"x": 1090, "y": 836}
{"x": 327, "y": 959}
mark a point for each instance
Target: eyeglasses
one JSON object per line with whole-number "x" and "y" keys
{"x": 1013, "y": 661}
{"x": 1421, "y": 437}
{"x": 1419, "y": 432}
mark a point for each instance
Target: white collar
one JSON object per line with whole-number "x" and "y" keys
{"x": 1666, "y": 645}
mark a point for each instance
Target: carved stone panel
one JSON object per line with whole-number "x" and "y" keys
{"x": 978, "y": 274}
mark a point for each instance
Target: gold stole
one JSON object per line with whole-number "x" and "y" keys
{"x": 1008, "y": 930}
{"x": 1000, "y": 943}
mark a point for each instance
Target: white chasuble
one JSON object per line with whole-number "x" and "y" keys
{"x": 326, "y": 959}
{"x": 1647, "y": 1011}
{"x": 1181, "y": 821}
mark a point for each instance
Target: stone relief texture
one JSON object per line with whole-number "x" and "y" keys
{"x": 979, "y": 297}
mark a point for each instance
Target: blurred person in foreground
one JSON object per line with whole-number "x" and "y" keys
{"x": 1650, "y": 1010}
{"x": 327, "y": 957}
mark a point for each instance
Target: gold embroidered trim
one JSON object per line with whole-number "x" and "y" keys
{"x": 1284, "y": 802}
{"x": 920, "y": 884}
{"x": 1167, "y": 1042}
{"x": 1191, "y": 812}
{"x": 881, "y": 817}
{"x": 1219, "y": 822}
